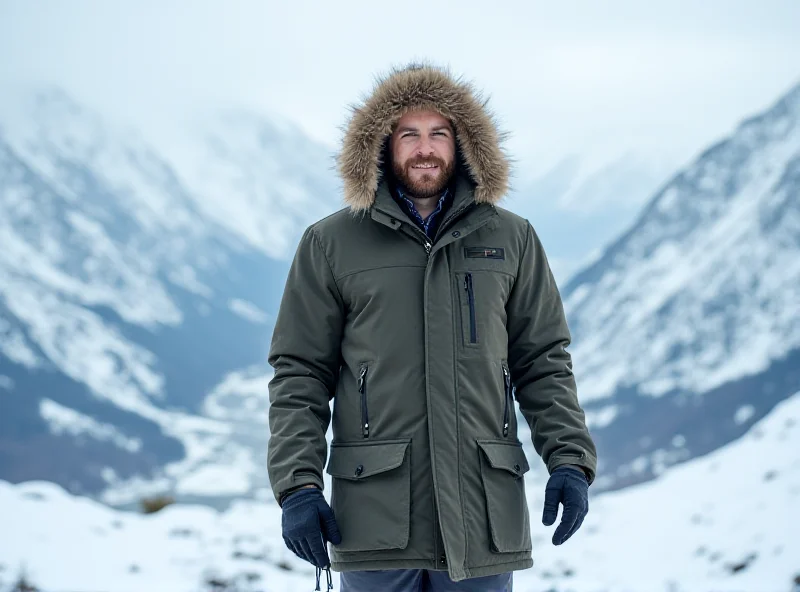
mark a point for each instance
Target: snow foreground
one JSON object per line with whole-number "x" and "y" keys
{"x": 727, "y": 521}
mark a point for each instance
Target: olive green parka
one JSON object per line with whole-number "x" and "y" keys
{"x": 415, "y": 350}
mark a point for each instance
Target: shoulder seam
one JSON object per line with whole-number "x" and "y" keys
{"x": 339, "y": 212}
{"x": 528, "y": 233}
{"x": 330, "y": 267}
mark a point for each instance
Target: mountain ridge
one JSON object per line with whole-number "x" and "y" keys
{"x": 692, "y": 312}
{"x": 124, "y": 305}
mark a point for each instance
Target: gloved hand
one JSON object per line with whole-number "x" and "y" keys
{"x": 567, "y": 485}
{"x": 308, "y": 524}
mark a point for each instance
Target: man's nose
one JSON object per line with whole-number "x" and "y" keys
{"x": 425, "y": 148}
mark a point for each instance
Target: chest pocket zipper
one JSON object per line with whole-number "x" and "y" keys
{"x": 508, "y": 399}
{"x": 473, "y": 328}
{"x": 362, "y": 389}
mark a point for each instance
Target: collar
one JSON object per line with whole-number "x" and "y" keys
{"x": 431, "y": 222}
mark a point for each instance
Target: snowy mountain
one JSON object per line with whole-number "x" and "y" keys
{"x": 136, "y": 306}
{"x": 727, "y": 521}
{"x": 137, "y": 288}
{"x": 686, "y": 330}
{"x": 584, "y": 202}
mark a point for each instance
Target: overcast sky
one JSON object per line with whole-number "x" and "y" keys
{"x": 564, "y": 77}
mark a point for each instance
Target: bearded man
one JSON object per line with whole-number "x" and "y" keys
{"x": 420, "y": 313}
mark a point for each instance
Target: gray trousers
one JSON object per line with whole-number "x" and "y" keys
{"x": 420, "y": 580}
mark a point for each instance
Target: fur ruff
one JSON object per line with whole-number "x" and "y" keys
{"x": 418, "y": 87}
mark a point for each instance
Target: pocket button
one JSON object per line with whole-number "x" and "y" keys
{"x": 359, "y": 470}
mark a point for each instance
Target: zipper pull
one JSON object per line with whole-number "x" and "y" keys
{"x": 362, "y": 389}
{"x": 507, "y": 385}
{"x": 428, "y": 247}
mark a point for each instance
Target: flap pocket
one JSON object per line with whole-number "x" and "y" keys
{"x": 505, "y": 455}
{"x": 371, "y": 494}
{"x": 503, "y": 465}
{"x": 360, "y": 461}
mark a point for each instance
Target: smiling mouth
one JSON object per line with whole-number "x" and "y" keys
{"x": 425, "y": 166}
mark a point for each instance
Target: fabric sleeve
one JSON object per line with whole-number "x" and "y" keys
{"x": 541, "y": 367}
{"x": 305, "y": 355}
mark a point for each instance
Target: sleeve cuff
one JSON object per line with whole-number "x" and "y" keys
{"x": 577, "y": 461}
{"x": 300, "y": 480}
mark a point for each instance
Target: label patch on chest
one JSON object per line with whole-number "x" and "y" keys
{"x": 484, "y": 252}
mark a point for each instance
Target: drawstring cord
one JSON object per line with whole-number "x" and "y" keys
{"x": 329, "y": 577}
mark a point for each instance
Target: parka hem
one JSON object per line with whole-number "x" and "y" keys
{"x": 431, "y": 564}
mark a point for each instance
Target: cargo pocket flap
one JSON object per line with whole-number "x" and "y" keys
{"x": 506, "y": 456}
{"x": 364, "y": 460}
{"x": 503, "y": 465}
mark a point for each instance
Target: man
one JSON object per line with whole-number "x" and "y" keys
{"x": 421, "y": 311}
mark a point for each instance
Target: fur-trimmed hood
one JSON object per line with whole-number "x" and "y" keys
{"x": 422, "y": 87}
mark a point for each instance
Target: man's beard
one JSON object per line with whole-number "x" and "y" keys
{"x": 427, "y": 185}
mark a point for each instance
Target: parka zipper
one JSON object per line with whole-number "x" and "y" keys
{"x": 508, "y": 399}
{"x": 362, "y": 389}
{"x": 473, "y": 329}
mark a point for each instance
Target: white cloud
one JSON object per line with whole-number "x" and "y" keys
{"x": 6, "y": 382}
{"x": 248, "y": 311}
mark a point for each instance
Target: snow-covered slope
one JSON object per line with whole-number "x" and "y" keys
{"x": 128, "y": 295}
{"x": 688, "y": 327}
{"x": 728, "y": 521}
{"x": 584, "y": 202}
{"x": 262, "y": 179}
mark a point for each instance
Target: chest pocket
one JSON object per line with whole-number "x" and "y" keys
{"x": 481, "y": 298}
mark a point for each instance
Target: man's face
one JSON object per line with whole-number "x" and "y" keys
{"x": 423, "y": 149}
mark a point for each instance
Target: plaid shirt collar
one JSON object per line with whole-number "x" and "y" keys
{"x": 430, "y": 223}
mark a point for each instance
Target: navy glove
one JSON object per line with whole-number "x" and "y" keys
{"x": 567, "y": 485}
{"x": 308, "y": 524}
